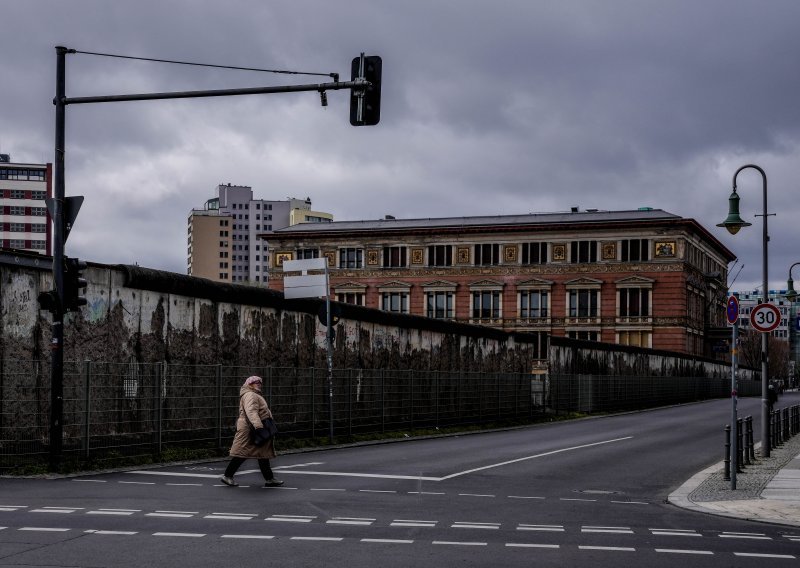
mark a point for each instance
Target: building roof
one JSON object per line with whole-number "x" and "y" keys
{"x": 590, "y": 216}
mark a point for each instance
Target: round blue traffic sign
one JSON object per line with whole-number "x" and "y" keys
{"x": 733, "y": 310}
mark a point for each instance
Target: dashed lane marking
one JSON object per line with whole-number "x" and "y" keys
{"x": 291, "y": 518}
{"x": 459, "y": 543}
{"x": 387, "y": 540}
{"x": 608, "y": 530}
{"x": 318, "y": 538}
{"x": 253, "y": 536}
{"x": 682, "y": 551}
{"x": 350, "y": 521}
{"x": 544, "y": 528}
{"x": 63, "y": 510}
{"x": 751, "y": 536}
{"x": 189, "y": 535}
{"x": 230, "y": 516}
{"x": 759, "y": 555}
{"x": 531, "y": 545}
{"x": 674, "y": 532}
{"x": 120, "y": 512}
{"x": 465, "y": 525}
{"x": 124, "y": 533}
{"x": 42, "y": 529}
{"x": 473, "y": 495}
{"x": 608, "y": 548}
{"x": 412, "y": 523}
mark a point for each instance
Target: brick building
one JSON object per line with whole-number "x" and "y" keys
{"x": 644, "y": 277}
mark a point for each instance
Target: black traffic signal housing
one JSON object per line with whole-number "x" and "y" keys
{"x": 74, "y": 283}
{"x": 365, "y": 104}
{"x": 49, "y": 301}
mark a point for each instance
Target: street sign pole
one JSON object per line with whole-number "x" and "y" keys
{"x": 734, "y": 403}
{"x": 330, "y": 350}
{"x": 733, "y": 318}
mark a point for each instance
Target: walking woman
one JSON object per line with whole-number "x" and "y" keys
{"x": 252, "y": 407}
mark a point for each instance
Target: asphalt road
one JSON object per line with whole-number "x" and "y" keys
{"x": 582, "y": 493}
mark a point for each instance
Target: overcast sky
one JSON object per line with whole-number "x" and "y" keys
{"x": 495, "y": 107}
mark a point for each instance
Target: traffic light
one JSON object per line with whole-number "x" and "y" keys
{"x": 74, "y": 283}
{"x": 365, "y": 103}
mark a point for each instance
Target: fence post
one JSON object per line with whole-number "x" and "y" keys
{"x": 748, "y": 439}
{"x": 349, "y": 378}
{"x": 219, "y": 405}
{"x": 411, "y": 396}
{"x": 436, "y": 395}
{"x": 161, "y": 372}
{"x": 739, "y": 446}
{"x": 87, "y": 402}
{"x": 383, "y": 402}
{"x": 727, "y": 475}
{"x": 313, "y": 398}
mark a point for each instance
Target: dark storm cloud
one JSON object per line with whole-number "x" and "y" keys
{"x": 488, "y": 108}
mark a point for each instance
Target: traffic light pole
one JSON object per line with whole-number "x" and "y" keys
{"x": 57, "y": 211}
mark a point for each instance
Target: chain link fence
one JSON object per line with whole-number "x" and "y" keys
{"x": 118, "y": 412}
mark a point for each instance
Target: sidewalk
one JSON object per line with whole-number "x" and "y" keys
{"x": 767, "y": 491}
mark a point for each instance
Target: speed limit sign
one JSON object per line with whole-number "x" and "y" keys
{"x": 765, "y": 317}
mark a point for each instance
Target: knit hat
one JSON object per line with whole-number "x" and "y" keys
{"x": 252, "y": 380}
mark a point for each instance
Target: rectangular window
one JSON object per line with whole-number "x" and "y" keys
{"x": 584, "y": 335}
{"x": 17, "y": 227}
{"x": 636, "y": 338}
{"x": 394, "y": 257}
{"x": 439, "y": 305}
{"x": 635, "y": 250}
{"x": 534, "y": 253}
{"x": 355, "y": 298}
{"x": 17, "y": 211}
{"x": 533, "y": 303}
{"x": 17, "y": 194}
{"x": 486, "y": 304}
{"x": 583, "y": 251}
{"x": 38, "y": 228}
{"x": 583, "y": 303}
{"x": 303, "y": 254}
{"x": 351, "y": 258}
{"x": 487, "y": 254}
{"x": 440, "y": 255}
{"x": 396, "y": 302}
{"x": 634, "y": 302}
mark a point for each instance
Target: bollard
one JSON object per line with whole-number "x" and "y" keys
{"x": 748, "y": 439}
{"x": 751, "y": 442}
{"x": 727, "y": 474}
{"x": 739, "y": 446}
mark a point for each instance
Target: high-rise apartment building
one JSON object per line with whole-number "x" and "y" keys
{"x": 24, "y": 223}
{"x": 222, "y": 243}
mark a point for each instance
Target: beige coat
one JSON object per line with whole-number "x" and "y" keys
{"x": 253, "y": 404}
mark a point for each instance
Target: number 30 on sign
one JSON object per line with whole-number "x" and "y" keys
{"x": 765, "y": 317}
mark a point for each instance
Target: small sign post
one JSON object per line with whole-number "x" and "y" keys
{"x": 313, "y": 286}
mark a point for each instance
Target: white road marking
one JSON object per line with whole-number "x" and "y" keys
{"x": 452, "y": 543}
{"x": 137, "y": 482}
{"x": 546, "y": 528}
{"x": 327, "y": 489}
{"x": 630, "y": 502}
{"x": 255, "y": 536}
{"x": 318, "y": 538}
{"x": 748, "y": 536}
{"x": 124, "y": 533}
{"x": 609, "y": 530}
{"x": 42, "y": 529}
{"x": 427, "y": 493}
{"x": 185, "y": 484}
{"x": 91, "y": 480}
{"x": 350, "y": 521}
{"x": 461, "y": 525}
{"x": 375, "y": 491}
{"x": 283, "y": 467}
{"x": 674, "y": 532}
{"x": 531, "y": 545}
{"x": 412, "y": 523}
{"x": 111, "y": 512}
{"x": 172, "y": 514}
{"x": 53, "y": 510}
{"x": 229, "y": 516}
{"x": 290, "y": 518}
{"x": 576, "y": 499}
{"x": 190, "y": 535}
{"x": 473, "y": 495}
{"x": 609, "y": 548}
{"x": 387, "y": 540}
{"x": 756, "y": 555}
{"x": 451, "y": 476}
{"x": 679, "y": 551}
{"x": 12, "y": 507}
{"x": 523, "y": 497}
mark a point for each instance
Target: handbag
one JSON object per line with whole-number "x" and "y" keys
{"x": 261, "y": 436}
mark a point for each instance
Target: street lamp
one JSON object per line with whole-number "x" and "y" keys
{"x": 791, "y": 295}
{"x": 790, "y": 291}
{"x": 733, "y": 223}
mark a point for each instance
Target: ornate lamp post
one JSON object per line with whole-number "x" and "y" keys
{"x": 733, "y": 223}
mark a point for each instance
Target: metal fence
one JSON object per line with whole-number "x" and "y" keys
{"x": 124, "y": 411}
